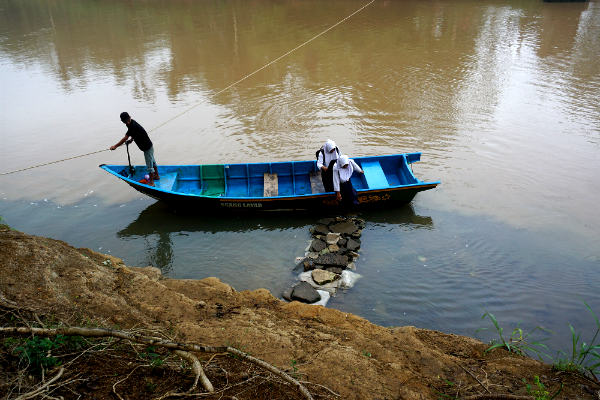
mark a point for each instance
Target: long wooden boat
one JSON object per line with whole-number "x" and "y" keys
{"x": 290, "y": 185}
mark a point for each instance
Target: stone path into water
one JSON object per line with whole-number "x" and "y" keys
{"x": 329, "y": 262}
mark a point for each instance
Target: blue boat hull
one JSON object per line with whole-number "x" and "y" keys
{"x": 388, "y": 180}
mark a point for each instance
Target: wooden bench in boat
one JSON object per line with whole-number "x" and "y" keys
{"x": 271, "y": 187}
{"x": 374, "y": 174}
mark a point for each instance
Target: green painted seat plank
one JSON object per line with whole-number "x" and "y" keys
{"x": 213, "y": 180}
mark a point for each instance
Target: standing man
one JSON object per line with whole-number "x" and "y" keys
{"x": 326, "y": 157}
{"x": 136, "y": 133}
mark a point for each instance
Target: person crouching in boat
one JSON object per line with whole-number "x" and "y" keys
{"x": 326, "y": 156}
{"x": 342, "y": 185}
{"x": 136, "y": 133}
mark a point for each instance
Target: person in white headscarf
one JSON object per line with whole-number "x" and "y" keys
{"x": 342, "y": 185}
{"x": 326, "y": 155}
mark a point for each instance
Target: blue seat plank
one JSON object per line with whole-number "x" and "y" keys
{"x": 166, "y": 181}
{"x": 374, "y": 174}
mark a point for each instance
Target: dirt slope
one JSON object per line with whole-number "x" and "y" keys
{"x": 348, "y": 354}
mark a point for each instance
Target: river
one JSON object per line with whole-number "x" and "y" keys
{"x": 501, "y": 97}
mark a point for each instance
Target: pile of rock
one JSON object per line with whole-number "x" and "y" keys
{"x": 329, "y": 262}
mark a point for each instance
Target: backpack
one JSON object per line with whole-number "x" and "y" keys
{"x": 321, "y": 150}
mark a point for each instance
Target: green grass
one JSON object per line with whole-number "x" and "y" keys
{"x": 575, "y": 360}
{"x": 3, "y": 225}
{"x": 539, "y": 392}
{"x": 519, "y": 341}
{"x": 36, "y": 351}
{"x": 582, "y": 358}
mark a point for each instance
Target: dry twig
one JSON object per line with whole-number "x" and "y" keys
{"x": 155, "y": 341}
{"x": 39, "y": 390}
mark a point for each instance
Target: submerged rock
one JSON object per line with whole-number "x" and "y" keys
{"x": 324, "y": 298}
{"x": 344, "y": 227}
{"x": 305, "y": 293}
{"x": 326, "y": 221}
{"x": 287, "y": 294}
{"x": 321, "y": 230}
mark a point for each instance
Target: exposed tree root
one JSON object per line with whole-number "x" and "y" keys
{"x": 155, "y": 341}
{"x": 197, "y": 367}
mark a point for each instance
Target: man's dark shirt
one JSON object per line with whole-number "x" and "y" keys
{"x": 139, "y": 136}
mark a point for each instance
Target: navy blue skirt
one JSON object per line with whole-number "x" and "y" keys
{"x": 349, "y": 195}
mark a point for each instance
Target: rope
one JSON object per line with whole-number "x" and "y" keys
{"x": 213, "y": 95}
{"x": 53, "y": 162}
{"x": 266, "y": 65}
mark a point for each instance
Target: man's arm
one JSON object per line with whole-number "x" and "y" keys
{"x": 120, "y": 142}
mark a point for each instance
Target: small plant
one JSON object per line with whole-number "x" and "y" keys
{"x": 581, "y": 351}
{"x": 293, "y": 364}
{"x": 37, "y": 352}
{"x": 149, "y": 386}
{"x": 366, "y": 354}
{"x": 519, "y": 341}
{"x": 449, "y": 386}
{"x": 151, "y": 355}
{"x": 3, "y": 226}
{"x": 540, "y": 392}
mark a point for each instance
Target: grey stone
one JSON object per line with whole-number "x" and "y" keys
{"x": 287, "y": 294}
{"x": 312, "y": 255}
{"x": 353, "y": 244}
{"x": 356, "y": 234}
{"x": 321, "y": 277}
{"x": 342, "y": 242}
{"x": 344, "y": 227}
{"x": 308, "y": 264}
{"x": 335, "y": 270}
{"x": 318, "y": 245}
{"x": 326, "y": 221}
{"x": 321, "y": 230}
{"x": 359, "y": 222}
{"x": 305, "y": 293}
{"x": 332, "y": 260}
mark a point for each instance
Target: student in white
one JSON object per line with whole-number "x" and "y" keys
{"x": 326, "y": 154}
{"x": 342, "y": 172}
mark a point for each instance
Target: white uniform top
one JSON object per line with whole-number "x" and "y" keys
{"x": 341, "y": 174}
{"x": 325, "y": 157}
{"x": 328, "y": 158}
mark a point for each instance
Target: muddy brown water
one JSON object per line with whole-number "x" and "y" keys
{"x": 501, "y": 97}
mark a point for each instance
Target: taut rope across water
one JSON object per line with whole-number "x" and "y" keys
{"x": 213, "y": 95}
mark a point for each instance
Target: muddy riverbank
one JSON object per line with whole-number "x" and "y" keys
{"x": 346, "y": 353}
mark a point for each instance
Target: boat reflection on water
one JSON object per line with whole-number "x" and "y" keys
{"x": 160, "y": 229}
